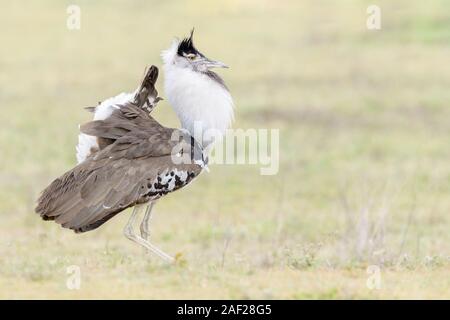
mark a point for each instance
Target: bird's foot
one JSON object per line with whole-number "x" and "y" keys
{"x": 180, "y": 260}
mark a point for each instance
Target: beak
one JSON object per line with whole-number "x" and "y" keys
{"x": 214, "y": 64}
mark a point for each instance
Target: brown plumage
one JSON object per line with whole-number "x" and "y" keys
{"x": 134, "y": 165}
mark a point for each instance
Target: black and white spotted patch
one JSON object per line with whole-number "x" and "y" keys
{"x": 168, "y": 181}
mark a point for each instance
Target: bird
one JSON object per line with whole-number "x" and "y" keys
{"x": 125, "y": 158}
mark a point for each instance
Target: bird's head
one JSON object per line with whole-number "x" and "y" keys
{"x": 184, "y": 54}
{"x": 198, "y": 95}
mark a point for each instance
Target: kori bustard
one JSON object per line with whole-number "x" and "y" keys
{"x": 127, "y": 159}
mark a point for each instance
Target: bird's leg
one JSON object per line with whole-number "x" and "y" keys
{"x": 145, "y": 222}
{"x": 128, "y": 231}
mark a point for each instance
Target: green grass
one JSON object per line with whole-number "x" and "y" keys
{"x": 364, "y": 160}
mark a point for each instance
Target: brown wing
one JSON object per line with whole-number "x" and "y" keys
{"x": 136, "y": 168}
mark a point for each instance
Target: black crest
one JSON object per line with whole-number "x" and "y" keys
{"x": 187, "y": 46}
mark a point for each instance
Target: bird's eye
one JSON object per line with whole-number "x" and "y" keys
{"x": 191, "y": 56}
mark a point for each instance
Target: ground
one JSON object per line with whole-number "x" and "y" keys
{"x": 359, "y": 208}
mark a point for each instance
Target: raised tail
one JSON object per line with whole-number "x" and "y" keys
{"x": 146, "y": 96}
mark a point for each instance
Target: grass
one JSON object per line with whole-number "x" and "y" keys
{"x": 364, "y": 135}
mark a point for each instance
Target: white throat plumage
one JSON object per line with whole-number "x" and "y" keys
{"x": 203, "y": 105}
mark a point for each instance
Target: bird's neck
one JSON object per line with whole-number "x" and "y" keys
{"x": 203, "y": 104}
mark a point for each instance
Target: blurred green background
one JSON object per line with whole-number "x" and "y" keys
{"x": 364, "y": 162}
